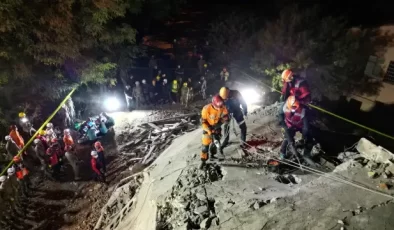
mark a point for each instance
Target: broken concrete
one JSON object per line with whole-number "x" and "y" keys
{"x": 373, "y": 152}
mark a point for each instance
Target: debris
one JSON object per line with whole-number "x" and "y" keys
{"x": 97, "y": 186}
{"x": 203, "y": 224}
{"x": 345, "y": 156}
{"x": 390, "y": 169}
{"x": 383, "y": 186}
{"x": 341, "y": 222}
{"x": 374, "y": 153}
{"x": 371, "y": 174}
{"x": 201, "y": 210}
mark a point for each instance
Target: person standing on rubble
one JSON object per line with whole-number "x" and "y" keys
{"x": 145, "y": 92}
{"x": 224, "y": 75}
{"x": 294, "y": 85}
{"x": 213, "y": 116}
{"x": 22, "y": 174}
{"x": 97, "y": 167}
{"x": 72, "y": 160}
{"x": 11, "y": 148}
{"x": 25, "y": 123}
{"x": 100, "y": 152}
{"x": 13, "y": 183}
{"x": 40, "y": 150}
{"x": 128, "y": 93}
{"x": 238, "y": 110}
{"x": 200, "y": 64}
{"x": 203, "y": 88}
{"x": 174, "y": 91}
{"x": 166, "y": 91}
{"x": 137, "y": 94}
{"x": 293, "y": 119}
{"x": 179, "y": 72}
{"x": 184, "y": 94}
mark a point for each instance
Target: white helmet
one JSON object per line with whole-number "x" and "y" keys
{"x": 179, "y": 66}
{"x": 7, "y": 138}
{"x": 137, "y": 83}
{"x": 36, "y": 141}
{"x": 164, "y": 75}
{"x": 127, "y": 87}
{"x": 165, "y": 80}
{"x": 66, "y": 132}
{"x": 143, "y": 81}
{"x": 3, "y": 178}
{"x": 49, "y": 125}
{"x": 94, "y": 154}
{"x": 10, "y": 171}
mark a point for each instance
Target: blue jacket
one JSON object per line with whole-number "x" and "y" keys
{"x": 234, "y": 103}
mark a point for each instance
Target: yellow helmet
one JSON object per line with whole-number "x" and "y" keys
{"x": 41, "y": 132}
{"x": 224, "y": 92}
{"x": 205, "y": 65}
{"x": 174, "y": 82}
{"x": 185, "y": 84}
{"x": 22, "y": 114}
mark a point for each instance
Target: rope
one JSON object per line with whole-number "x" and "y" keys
{"x": 326, "y": 111}
{"x": 36, "y": 133}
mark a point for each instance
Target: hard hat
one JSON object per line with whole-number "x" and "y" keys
{"x": 16, "y": 159}
{"x": 49, "y": 125}
{"x": 41, "y": 132}
{"x": 224, "y": 91}
{"x": 205, "y": 65}
{"x": 10, "y": 171}
{"x": 165, "y": 80}
{"x": 179, "y": 66}
{"x": 137, "y": 83}
{"x": 217, "y": 101}
{"x": 164, "y": 75}
{"x": 287, "y": 75}
{"x": 174, "y": 81}
{"x": 292, "y": 103}
{"x": 158, "y": 77}
{"x": 185, "y": 84}
{"x": 143, "y": 81}
{"x": 3, "y": 178}
{"x": 94, "y": 154}
{"x": 7, "y": 138}
{"x": 22, "y": 114}
{"x": 36, "y": 141}
{"x": 66, "y": 131}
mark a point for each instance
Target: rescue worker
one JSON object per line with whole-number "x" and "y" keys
{"x": 16, "y": 137}
{"x": 40, "y": 150}
{"x": 237, "y": 109}
{"x": 155, "y": 92}
{"x": 296, "y": 86}
{"x": 190, "y": 93}
{"x": 53, "y": 162}
{"x": 224, "y": 75}
{"x": 293, "y": 119}
{"x": 213, "y": 116}
{"x": 201, "y": 64}
{"x": 24, "y": 122}
{"x": 41, "y": 137}
{"x": 13, "y": 183}
{"x": 50, "y": 132}
{"x": 11, "y": 148}
{"x": 203, "y": 88}
{"x": 109, "y": 121}
{"x": 137, "y": 94}
{"x": 128, "y": 93}
{"x": 72, "y": 160}
{"x": 174, "y": 91}
{"x": 184, "y": 94}
{"x": 179, "y": 72}
{"x": 100, "y": 152}
{"x": 158, "y": 77}
{"x": 97, "y": 167}
{"x": 67, "y": 139}
{"x": 7, "y": 195}
{"x": 152, "y": 62}
{"x": 21, "y": 173}
{"x": 145, "y": 92}
{"x": 166, "y": 91}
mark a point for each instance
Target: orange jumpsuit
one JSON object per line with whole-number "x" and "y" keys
{"x": 17, "y": 138}
{"x": 211, "y": 119}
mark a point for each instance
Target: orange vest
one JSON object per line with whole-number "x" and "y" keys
{"x": 211, "y": 116}
{"x": 17, "y": 138}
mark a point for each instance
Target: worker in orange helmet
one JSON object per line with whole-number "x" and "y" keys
{"x": 213, "y": 116}
{"x": 21, "y": 173}
{"x": 293, "y": 119}
{"x": 296, "y": 86}
{"x": 67, "y": 139}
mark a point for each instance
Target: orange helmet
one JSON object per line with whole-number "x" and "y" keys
{"x": 292, "y": 103}
{"x": 287, "y": 75}
{"x": 16, "y": 159}
{"x": 224, "y": 91}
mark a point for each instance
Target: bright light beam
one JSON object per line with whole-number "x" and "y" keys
{"x": 111, "y": 104}
{"x": 250, "y": 96}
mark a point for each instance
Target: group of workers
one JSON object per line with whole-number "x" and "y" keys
{"x": 161, "y": 90}
{"x": 229, "y": 104}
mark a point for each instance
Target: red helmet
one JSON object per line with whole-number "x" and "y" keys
{"x": 217, "y": 101}
{"x": 17, "y": 159}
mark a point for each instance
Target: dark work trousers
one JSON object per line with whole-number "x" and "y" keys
{"x": 102, "y": 160}
{"x": 289, "y": 137}
{"x": 242, "y": 126}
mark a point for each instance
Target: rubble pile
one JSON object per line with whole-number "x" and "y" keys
{"x": 145, "y": 142}
{"x": 188, "y": 206}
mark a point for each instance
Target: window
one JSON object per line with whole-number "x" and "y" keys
{"x": 373, "y": 68}
{"x": 389, "y": 77}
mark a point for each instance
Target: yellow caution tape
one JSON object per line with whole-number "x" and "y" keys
{"x": 37, "y": 132}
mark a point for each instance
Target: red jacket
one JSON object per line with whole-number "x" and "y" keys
{"x": 53, "y": 160}
{"x": 294, "y": 120}
{"x": 96, "y": 165}
{"x": 43, "y": 141}
{"x": 298, "y": 88}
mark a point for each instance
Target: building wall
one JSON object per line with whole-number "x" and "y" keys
{"x": 386, "y": 92}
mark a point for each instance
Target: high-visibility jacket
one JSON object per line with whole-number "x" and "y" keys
{"x": 298, "y": 88}
{"x": 68, "y": 140}
{"x": 294, "y": 120}
{"x": 21, "y": 171}
{"x": 212, "y": 118}
{"x": 17, "y": 138}
{"x": 174, "y": 87}
{"x": 96, "y": 165}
